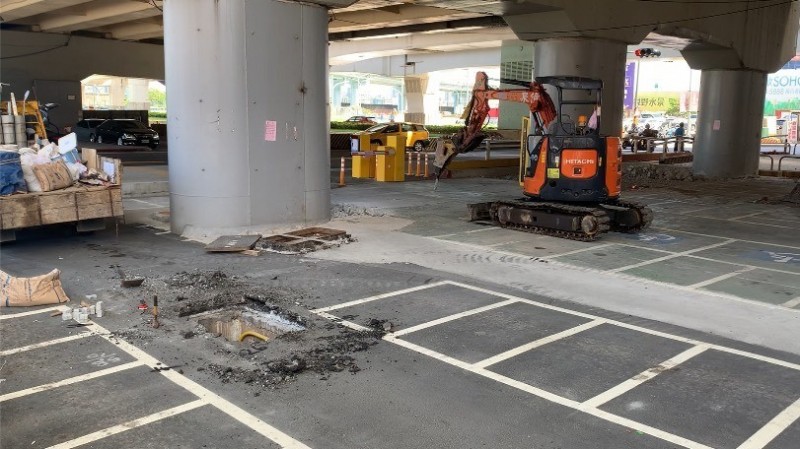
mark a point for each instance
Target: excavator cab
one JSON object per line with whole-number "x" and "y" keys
{"x": 569, "y": 160}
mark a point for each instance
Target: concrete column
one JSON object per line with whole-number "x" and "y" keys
{"x": 422, "y": 99}
{"x": 729, "y": 123}
{"x": 516, "y": 63}
{"x": 236, "y": 70}
{"x": 591, "y": 58}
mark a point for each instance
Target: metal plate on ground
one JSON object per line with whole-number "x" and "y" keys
{"x": 304, "y": 240}
{"x": 233, "y": 243}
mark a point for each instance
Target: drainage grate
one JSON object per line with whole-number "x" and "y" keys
{"x": 304, "y": 240}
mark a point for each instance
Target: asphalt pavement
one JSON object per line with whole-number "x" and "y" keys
{"x": 456, "y": 362}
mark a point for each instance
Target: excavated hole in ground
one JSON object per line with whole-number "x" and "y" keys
{"x": 214, "y": 308}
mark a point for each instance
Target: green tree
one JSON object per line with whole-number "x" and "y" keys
{"x": 158, "y": 99}
{"x": 674, "y": 106}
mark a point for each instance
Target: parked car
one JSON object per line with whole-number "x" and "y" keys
{"x": 417, "y": 136}
{"x": 362, "y": 119}
{"x": 85, "y": 129}
{"x": 126, "y": 132}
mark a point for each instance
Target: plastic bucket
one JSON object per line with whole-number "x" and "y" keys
{"x": 9, "y": 133}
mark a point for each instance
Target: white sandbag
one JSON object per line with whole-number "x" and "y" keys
{"x": 28, "y": 160}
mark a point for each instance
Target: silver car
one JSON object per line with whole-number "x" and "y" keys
{"x": 85, "y": 129}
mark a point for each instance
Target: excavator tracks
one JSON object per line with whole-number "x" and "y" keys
{"x": 628, "y": 216}
{"x": 574, "y": 222}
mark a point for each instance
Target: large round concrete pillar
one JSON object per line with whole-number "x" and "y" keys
{"x": 591, "y": 58}
{"x": 728, "y": 138}
{"x": 248, "y": 115}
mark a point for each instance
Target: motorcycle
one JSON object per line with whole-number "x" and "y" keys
{"x": 52, "y": 130}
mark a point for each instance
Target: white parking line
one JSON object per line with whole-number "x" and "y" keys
{"x": 721, "y": 278}
{"x": 45, "y": 344}
{"x": 70, "y": 381}
{"x": 747, "y": 216}
{"x": 740, "y": 264}
{"x": 341, "y": 321}
{"x": 648, "y": 374}
{"x": 471, "y": 231}
{"x": 535, "y": 344}
{"x": 160, "y": 206}
{"x": 578, "y": 251}
{"x": 483, "y": 372}
{"x": 720, "y": 237}
{"x": 634, "y": 327}
{"x": 30, "y": 312}
{"x": 453, "y": 317}
{"x": 773, "y": 428}
{"x": 671, "y": 256}
{"x": 770, "y": 225}
{"x": 658, "y": 433}
{"x": 627, "y": 423}
{"x": 208, "y": 396}
{"x": 100, "y": 434}
{"x": 381, "y": 296}
{"x": 792, "y": 303}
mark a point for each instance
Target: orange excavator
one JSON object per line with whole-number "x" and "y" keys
{"x": 572, "y": 181}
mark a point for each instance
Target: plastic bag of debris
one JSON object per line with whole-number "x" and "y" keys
{"x": 34, "y": 291}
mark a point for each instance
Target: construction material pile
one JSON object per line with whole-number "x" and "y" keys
{"x": 46, "y": 167}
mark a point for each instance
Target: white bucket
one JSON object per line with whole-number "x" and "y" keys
{"x": 6, "y": 119}
{"x": 9, "y": 133}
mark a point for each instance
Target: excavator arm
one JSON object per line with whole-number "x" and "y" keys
{"x": 472, "y": 135}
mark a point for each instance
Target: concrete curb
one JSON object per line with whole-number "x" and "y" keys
{"x": 144, "y": 189}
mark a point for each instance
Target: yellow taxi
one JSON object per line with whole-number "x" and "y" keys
{"x": 416, "y": 135}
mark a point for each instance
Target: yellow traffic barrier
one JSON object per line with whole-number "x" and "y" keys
{"x": 341, "y": 174}
{"x": 363, "y": 166}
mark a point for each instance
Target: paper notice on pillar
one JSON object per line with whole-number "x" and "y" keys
{"x": 716, "y": 125}
{"x": 271, "y": 131}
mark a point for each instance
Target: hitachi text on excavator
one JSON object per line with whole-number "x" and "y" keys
{"x": 572, "y": 180}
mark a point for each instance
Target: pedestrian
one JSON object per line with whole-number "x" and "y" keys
{"x": 680, "y": 131}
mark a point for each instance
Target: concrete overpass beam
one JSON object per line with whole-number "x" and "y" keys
{"x": 729, "y": 123}
{"x": 591, "y": 58}
{"x": 248, "y": 117}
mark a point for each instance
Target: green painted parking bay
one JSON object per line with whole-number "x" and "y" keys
{"x": 762, "y": 255}
{"x": 610, "y": 257}
{"x": 760, "y": 285}
{"x": 664, "y": 240}
{"x": 683, "y": 270}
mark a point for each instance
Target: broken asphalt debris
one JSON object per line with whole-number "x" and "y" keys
{"x": 127, "y": 282}
{"x": 260, "y": 334}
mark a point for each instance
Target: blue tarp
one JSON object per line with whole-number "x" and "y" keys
{"x": 11, "y": 178}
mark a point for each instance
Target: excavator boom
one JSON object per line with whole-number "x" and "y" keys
{"x": 472, "y": 135}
